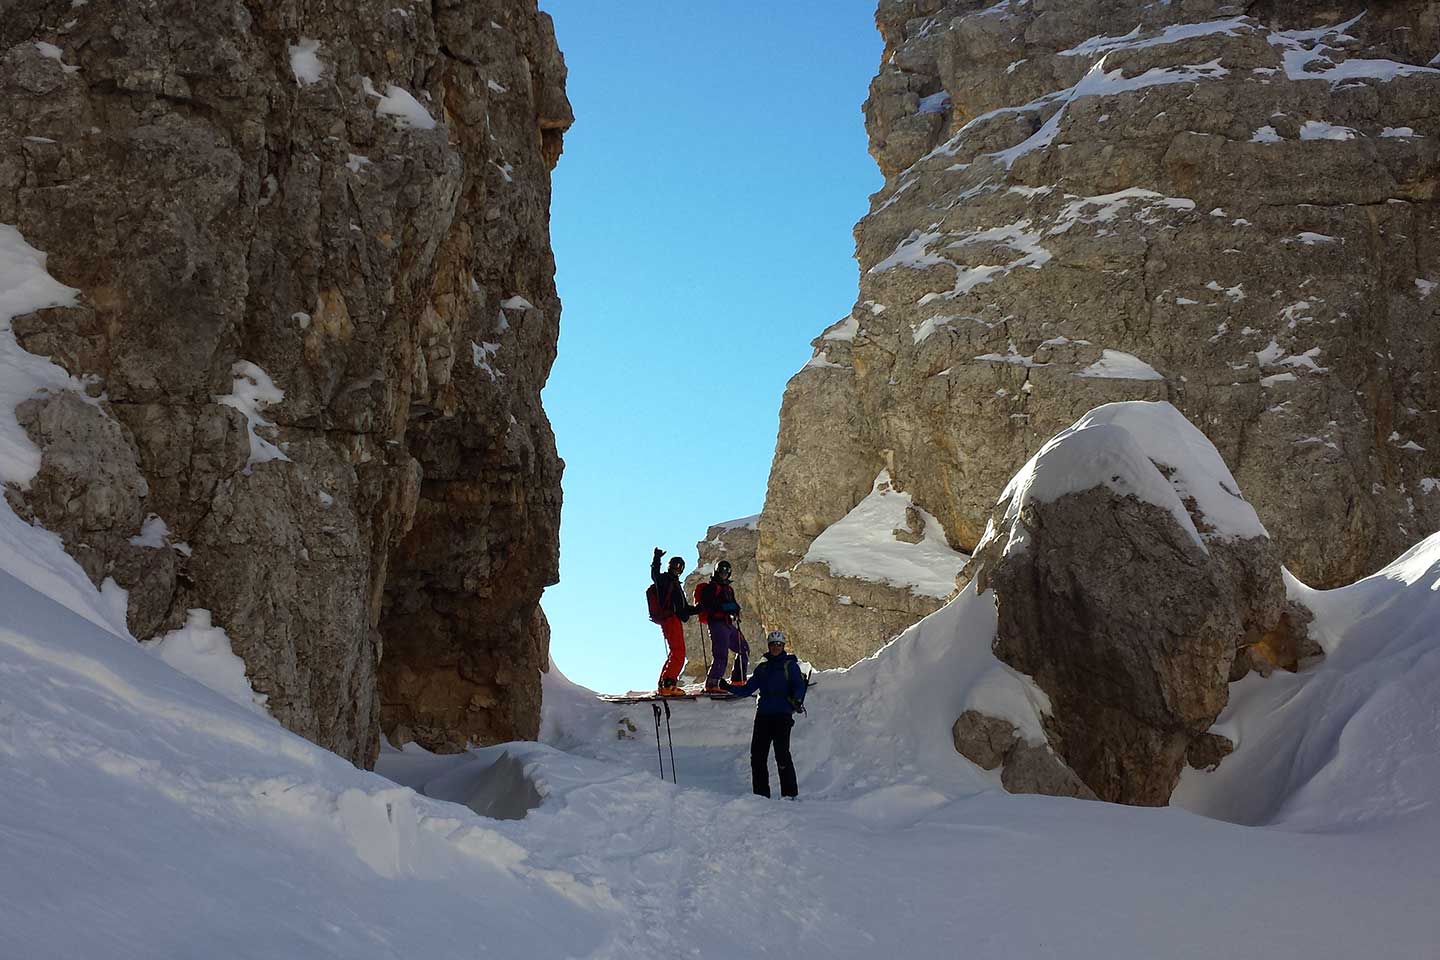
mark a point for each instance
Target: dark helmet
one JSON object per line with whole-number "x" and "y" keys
{"x": 722, "y": 569}
{"x": 676, "y": 563}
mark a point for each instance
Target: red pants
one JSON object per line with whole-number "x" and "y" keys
{"x": 674, "y": 632}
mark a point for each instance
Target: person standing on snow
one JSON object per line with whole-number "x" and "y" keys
{"x": 782, "y": 693}
{"x": 673, "y": 613}
{"x": 721, "y": 611}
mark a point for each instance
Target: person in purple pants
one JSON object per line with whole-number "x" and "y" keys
{"x": 721, "y": 610}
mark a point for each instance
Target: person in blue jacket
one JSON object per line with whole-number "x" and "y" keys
{"x": 781, "y": 685}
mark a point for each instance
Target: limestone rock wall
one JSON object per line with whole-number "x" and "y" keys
{"x": 318, "y": 308}
{"x": 1229, "y": 206}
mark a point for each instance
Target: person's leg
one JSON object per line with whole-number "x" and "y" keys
{"x": 721, "y": 637}
{"x": 674, "y": 632}
{"x": 788, "y": 786}
{"x": 760, "y": 755}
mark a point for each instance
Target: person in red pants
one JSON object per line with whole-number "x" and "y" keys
{"x": 669, "y": 609}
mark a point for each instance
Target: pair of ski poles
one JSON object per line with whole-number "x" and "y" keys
{"x": 668, "y": 736}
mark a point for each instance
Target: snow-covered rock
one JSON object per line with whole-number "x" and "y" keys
{"x": 1128, "y": 573}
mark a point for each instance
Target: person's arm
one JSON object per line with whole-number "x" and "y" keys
{"x": 748, "y": 687}
{"x": 655, "y": 566}
{"x": 798, "y": 685}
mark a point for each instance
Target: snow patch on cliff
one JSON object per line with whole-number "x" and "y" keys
{"x": 863, "y": 544}
{"x": 251, "y": 393}
{"x": 202, "y": 651}
{"x": 1118, "y": 365}
{"x": 25, "y": 287}
{"x": 305, "y": 62}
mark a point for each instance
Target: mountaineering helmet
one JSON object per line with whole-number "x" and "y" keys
{"x": 677, "y": 564}
{"x": 722, "y": 569}
{"x": 774, "y": 637}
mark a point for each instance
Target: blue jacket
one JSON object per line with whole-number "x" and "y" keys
{"x": 779, "y": 681}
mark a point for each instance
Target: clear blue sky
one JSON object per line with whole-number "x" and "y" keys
{"x": 702, "y": 223}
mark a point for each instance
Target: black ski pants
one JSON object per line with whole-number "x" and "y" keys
{"x": 772, "y": 728}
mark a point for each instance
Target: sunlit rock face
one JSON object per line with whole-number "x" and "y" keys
{"x": 1231, "y": 207}
{"x": 317, "y": 305}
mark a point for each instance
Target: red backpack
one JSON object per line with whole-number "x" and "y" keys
{"x": 701, "y": 592}
{"x": 659, "y": 609}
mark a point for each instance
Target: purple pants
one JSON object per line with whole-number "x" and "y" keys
{"x": 723, "y": 638}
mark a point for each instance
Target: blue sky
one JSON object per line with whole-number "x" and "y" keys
{"x": 701, "y": 221}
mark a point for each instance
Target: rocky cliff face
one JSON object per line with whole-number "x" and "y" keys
{"x": 317, "y": 305}
{"x": 1231, "y": 207}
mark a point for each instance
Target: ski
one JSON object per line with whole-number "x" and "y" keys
{"x": 697, "y": 695}
{"x": 656, "y": 698}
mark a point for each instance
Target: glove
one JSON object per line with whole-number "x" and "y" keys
{"x": 659, "y": 552}
{"x": 796, "y": 705}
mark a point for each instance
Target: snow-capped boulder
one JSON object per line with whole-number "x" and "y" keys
{"x": 1128, "y": 573}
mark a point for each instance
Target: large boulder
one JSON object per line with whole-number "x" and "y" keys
{"x": 1129, "y": 574}
{"x": 316, "y": 311}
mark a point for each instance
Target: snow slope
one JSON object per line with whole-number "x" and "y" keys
{"x": 1352, "y": 742}
{"x": 144, "y": 815}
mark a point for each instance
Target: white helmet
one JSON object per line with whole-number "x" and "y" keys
{"x": 775, "y": 636}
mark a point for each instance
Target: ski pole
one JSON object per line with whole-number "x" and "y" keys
{"x": 658, "y": 755}
{"x": 704, "y": 654}
{"x": 671, "y": 738}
